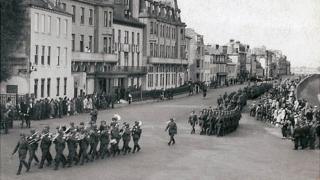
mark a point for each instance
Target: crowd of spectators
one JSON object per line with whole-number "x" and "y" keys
{"x": 299, "y": 121}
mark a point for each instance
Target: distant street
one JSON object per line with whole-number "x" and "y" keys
{"x": 253, "y": 151}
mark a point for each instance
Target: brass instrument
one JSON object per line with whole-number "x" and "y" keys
{"x": 33, "y": 138}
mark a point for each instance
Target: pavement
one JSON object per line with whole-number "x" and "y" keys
{"x": 254, "y": 151}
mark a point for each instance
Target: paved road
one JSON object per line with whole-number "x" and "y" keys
{"x": 254, "y": 151}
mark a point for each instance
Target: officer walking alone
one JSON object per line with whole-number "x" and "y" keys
{"x": 172, "y": 127}
{"x": 22, "y": 146}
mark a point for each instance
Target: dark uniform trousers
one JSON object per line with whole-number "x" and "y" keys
{"x": 83, "y": 151}
{"x": 32, "y": 154}
{"x": 136, "y": 145}
{"x": 59, "y": 158}
{"x": 72, "y": 156}
{"x": 104, "y": 141}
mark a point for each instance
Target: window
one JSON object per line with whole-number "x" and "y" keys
{"x": 49, "y": 24}
{"x": 65, "y": 56}
{"x": 157, "y": 80}
{"x": 90, "y": 44}
{"x": 73, "y": 41}
{"x": 58, "y": 26}
{"x": 65, "y": 27}
{"x": 35, "y": 88}
{"x": 138, "y": 59}
{"x": 151, "y": 49}
{"x": 81, "y": 43}
{"x": 42, "y": 55}
{"x": 106, "y": 19}
{"x": 73, "y": 13}
{"x": 198, "y": 63}
{"x": 132, "y": 37}
{"x": 42, "y": 87}
{"x": 36, "y": 55}
{"x": 110, "y": 19}
{"x": 64, "y": 6}
{"x": 65, "y": 86}
{"x": 58, "y": 86}
{"x": 105, "y": 44}
{"x": 119, "y": 36}
{"x": 132, "y": 59}
{"x": 58, "y": 55}
{"x": 126, "y": 37}
{"x": 36, "y": 22}
{"x": 48, "y": 86}
{"x": 90, "y": 16}
{"x": 150, "y": 80}
{"x": 138, "y": 39}
{"x": 119, "y": 58}
{"x": 151, "y": 27}
{"x": 109, "y": 45}
{"x": 49, "y": 55}
{"x": 126, "y": 58}
{"x": 42, "y": 23}
{"x": 82, "y": 16}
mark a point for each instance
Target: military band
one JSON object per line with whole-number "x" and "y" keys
{"x": 84, "y": 143}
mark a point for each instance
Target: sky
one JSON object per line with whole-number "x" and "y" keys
{"x": 292, "y": 26}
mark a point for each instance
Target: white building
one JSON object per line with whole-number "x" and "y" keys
{"x": 42, "y": 65}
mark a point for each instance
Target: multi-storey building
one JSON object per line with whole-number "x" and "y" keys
{"x": 237, "y": 52}
{"x": 93, "y": 58}
{"x": 218, "y": 63}
{"x": 41, "y": 66}
{"x": 164, "y": 43}
{"x": 196, "y": 57}
{"x": 128, "y": 39}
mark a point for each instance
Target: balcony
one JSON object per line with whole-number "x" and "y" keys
{"x": 156, "y": 60}
{"x": 94, "y": 57}
{"x": 123, "y": 70}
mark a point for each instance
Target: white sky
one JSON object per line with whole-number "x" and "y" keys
{"x": 292, "y": 26}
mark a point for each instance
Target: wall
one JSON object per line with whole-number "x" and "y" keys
{"x": 309, "y": 89}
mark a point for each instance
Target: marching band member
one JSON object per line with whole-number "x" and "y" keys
{"x": 136, "y": 134}
{"x": 22, "y": 148}
{"x": 83, "y": 142}
{"x": 104, "y": 140}
{"x": 126, "y": 137}
{"x": 33, "y": 146}
{"x": 60, "y": 145}
{"x": 115, "y": 137}
{"x": 72, "y": 148}
{"x": 45, "y": 147}
{"x": 94, "y": 141}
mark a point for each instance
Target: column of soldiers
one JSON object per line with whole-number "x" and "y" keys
{"x": 84, "y": 143}
{"x": 298, "y": 120}
{"x": 225, "y": 118}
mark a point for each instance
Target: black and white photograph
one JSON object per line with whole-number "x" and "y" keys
{"x": 160, "y": 90}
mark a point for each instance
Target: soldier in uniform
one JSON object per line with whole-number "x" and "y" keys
{"x": 136, "y": 134}
{"x": 172, "y": 127}
{"x": 115, "y": 135}
{"x": 94, "y": 115}
{"x": 193, "y": 120}
{"x": 72, "y": 148}
{"x": 104, "y": 140}
{"x": 94, "y": 140}
{"x": 84, "y": 142}
{"x": 126, "y": 137}
{"x": 219, "y": 126}
{"x": 33, "y": 147}
{"x": 60, "y": 145}
{"x": 296, "y": 136}
{"x": 45, "y": 148}
{"x": 22, "y": 148}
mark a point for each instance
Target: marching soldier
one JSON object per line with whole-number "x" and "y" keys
{"x": 104, "y": 140}
{"x": 115, "y": 137}
{"x": 33, "y": 146}
{"x": 72, "y": 148}
{"x": 45, "y": 148}
{"x": 172, "y": 127}
{"x": 296, "y": 136}
{"x": 94, "y": 140}
{"x": 126, "y": 136}
{"x": 84, "y": 142}
{"x": 59, "y": 147}
{"x": 136, "y": 134}
{"x": 193, "y": 120}
{"x": 22, "y": 148}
